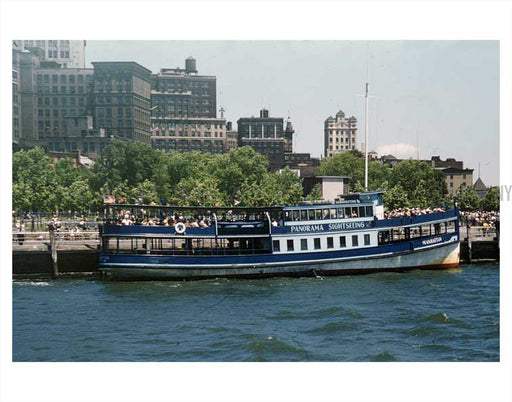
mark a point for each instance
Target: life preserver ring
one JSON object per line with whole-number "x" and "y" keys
{"x": 180, "y": 228}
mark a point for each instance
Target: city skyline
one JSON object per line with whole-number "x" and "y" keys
{"x": 419, "y": 95}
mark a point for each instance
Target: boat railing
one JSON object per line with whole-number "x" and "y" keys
{"x": 416, "y": 219}
{"x": 40, "y": 241}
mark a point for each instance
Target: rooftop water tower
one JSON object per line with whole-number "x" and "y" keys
{"x": 190, "y": 65}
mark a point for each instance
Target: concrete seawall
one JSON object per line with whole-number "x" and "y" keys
{"x": 480, "y": 250}
{"x": 40, "y": 262}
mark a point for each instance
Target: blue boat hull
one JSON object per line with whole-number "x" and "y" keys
{"x": 394, "y": 257}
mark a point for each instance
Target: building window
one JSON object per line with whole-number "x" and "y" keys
{"x": 366, "y": 239}
{"x": 330, "y": 242}
{"x": 317, "y": 243}
{"x": 355, "y": 241}
{"x": 303, "y": 244}
{"x": 289, "y": 245}
{"x": 343, "y": 242}
{"x": 276, "y": 245}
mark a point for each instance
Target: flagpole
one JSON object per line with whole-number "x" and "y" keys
{"x": 366, "y": 139}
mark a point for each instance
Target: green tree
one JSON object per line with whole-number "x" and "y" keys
{"x": 130, "y": 162}
{"x": 423, "y": 185}
{"x": 243, "y": 165}
{"x": 22, "y": 196}
{"x": 78, "y": 197}
{"x": 33, "y": 176}
{"x": 349, "y": 164}
{"x": 491, "y": 200}
{"x": 315, "y": 193}
{"x": 199, "y": 191}
{"x": 396, "y": 197}
{"x": 467, "y": 198}
{"x": 145, "y": 193}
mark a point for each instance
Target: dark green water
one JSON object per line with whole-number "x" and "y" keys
{"x": 448, "y": 315}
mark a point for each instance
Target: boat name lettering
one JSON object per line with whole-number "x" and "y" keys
{"x": 330, "y": 226}
{"x": 432, "y": 241}
{"x": 308, "y": 228}
{"x": 347, "y": 225}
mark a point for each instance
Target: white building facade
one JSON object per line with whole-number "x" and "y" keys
{"x": 340, "y": 134}
{"x": 68, "y": 53}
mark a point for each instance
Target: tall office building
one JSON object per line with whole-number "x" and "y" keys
{"x": 27, "y": 106}
{"x": 288, "y": 136}
{"x": 340, "y": 134}
{"x": 122, "y": 100}
{"x": 16, "y": 95}
{"x": 67, "y": 53}
{"x": 62, "y": 93}
{"x": 184, "y": 116}
{"x": 265, "y": 135}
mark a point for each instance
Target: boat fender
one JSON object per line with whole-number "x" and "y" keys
{"x": 180, "y": 228}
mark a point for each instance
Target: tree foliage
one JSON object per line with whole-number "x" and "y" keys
{"x": 491, "y": 200}
{"x": 409, "y": 183}
{"x": 467, "y": 198}
{"x": 135, "y": 173}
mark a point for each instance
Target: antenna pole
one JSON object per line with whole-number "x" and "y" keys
{"x": 366, "y": 139}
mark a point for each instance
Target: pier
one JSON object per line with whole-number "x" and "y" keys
{"x": 55, "y": 254}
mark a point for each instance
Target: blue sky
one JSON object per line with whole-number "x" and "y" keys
{"x": 440, "y": 95}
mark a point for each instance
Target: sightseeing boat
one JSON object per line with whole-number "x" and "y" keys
{"x": 348, "y": 236}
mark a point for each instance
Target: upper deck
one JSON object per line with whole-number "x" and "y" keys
{"x": 124, "y": 220}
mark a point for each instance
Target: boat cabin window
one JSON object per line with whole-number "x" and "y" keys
{"x": 303, "y": 244}
{"x": 289, "y": 245}
{"x": 343, "y": 242}
{"x": 383, "y": 237}
{"x": 330, "y": 242}
{"x": 415, "y": 232}
{"x": 366, "y": 239}
{"x": 311, "y": 214}
{"x": 317, "y": 243}
{"x": 276, "y": 245}
{"x": 355, "y": 241}
{"x": 186, "y": 246}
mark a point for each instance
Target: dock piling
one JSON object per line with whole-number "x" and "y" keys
{"x": 53, "y": 250}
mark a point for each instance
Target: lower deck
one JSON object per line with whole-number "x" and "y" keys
{"x": 443, "y": 255}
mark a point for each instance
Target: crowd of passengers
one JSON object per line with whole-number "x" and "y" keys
{"x": 126, "y": 218}
{"x": 409, "y": 212}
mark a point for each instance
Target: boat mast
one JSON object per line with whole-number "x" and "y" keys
{"x": 366, "y": 139}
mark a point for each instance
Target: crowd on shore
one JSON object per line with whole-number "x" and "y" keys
{"x": 480, "y": 218}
